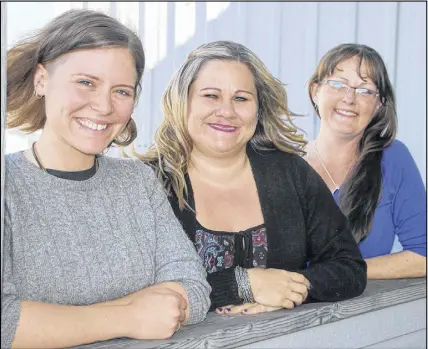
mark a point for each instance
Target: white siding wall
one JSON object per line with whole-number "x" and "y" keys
{"x": 289, "y": 37}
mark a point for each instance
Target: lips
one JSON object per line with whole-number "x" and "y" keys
{"x": 223, "y": 128}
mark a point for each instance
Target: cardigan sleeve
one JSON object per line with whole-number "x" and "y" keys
{"x": 224, "y": 288}
{"x": 336, "y": 268}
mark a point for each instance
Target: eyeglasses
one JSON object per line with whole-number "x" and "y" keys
{"x": 342, "y": 89}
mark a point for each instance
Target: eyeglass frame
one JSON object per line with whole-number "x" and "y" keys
{"x": 348, "y": 88}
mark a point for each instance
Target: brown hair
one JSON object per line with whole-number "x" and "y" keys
{"x": 360, "y": 193}
{"x": 172, "y": 145}
{"x": 73, "y": 30}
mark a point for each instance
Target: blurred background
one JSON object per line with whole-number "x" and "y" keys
{"x": 290, "y": 37}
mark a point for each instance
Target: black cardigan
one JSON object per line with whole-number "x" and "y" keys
{"x": 303, "y": 223}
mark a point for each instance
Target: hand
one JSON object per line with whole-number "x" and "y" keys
{"x": 246, "y": 309}
{"x": 156, "y": 313}
{"x": 278, "y": 288}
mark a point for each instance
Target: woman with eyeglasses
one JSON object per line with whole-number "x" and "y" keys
{"x": 372, "y": 176}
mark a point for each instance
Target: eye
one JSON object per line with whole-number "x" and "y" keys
{"x": 86, "y": 83}
{"x": 241, "y": 99}
{"x": 336, "y": 84}
{"x": 365, "y": 92}
{"x": 209, "y": 95}
{"x": 124, "y": 93}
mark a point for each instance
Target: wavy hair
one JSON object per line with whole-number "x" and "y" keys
{"x": 361, "y": 191}
{"x": 73, "y": 30}
{"x": 170, "y": 152}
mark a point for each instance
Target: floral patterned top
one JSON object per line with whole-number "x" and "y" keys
{"x": 222, "y": 250}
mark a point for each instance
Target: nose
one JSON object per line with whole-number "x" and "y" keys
{"x": 350, "y": 96}
{"x": 226, "y": 110}
{"x": 102, "y": 103}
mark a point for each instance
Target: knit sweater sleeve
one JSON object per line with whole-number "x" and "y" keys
{"x": 336, "y": 269}
{"x": 176, "y": 258}
{"x": 10, "y": 302}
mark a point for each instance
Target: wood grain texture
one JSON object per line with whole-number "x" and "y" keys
{"x": 223, "y": 331}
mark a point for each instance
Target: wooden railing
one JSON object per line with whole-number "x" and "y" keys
{"x": 389, "y": 314}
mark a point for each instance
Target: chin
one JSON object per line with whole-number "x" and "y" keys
{"x": 91, "y": 149}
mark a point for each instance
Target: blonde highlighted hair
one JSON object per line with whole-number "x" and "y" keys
{"x": 170, "y": 152}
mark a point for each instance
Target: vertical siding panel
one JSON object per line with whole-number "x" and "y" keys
{"x": 3, "y": 124}
{"x": 298, "y": 45}
{"x": 336, "y": 24}
{"x": 411, "y": 75}
{"x": 379, "y": 32}
{"x": 143, "y": 111}
{"x": 263, "y": 32}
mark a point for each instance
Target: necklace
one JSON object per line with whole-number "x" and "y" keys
{"x": 336, "y": 187}
{"x": 33, "y": 148}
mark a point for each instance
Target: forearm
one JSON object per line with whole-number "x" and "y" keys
{"x": 404, "y": 264}
{"x": 336, "y": 280}
{"x": 43, "y": 325}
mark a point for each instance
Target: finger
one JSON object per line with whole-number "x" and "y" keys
{"x": 299, "y": 278}
{"x": 257, "y": 309}
{"x": 222, "y": 310}
{"x": 181, "y": 301}
{"x": 237, "y": 309}
{"x": 287, "y": 304}
{"x": 298, "y": 288}
{"x": 296, "y": 298}
{"x": 182, "y": 317}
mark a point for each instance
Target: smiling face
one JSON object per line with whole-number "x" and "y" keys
{"x": 222, "y": 108}
{"x": 89, "y": 97}
{"x": 346, "y": 114}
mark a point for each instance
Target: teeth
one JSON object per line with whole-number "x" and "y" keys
{"x": 92, "y": 125}
{"x": 225, "y": 127}
{"x": 345, "y": 112}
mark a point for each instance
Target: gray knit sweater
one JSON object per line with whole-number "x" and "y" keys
{"x": 85, "y": 242}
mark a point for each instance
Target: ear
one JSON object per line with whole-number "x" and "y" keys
{"x": 40, "y": 80}
{"x": 314, "y": 92}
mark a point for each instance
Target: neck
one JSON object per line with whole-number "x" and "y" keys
{"x": 335, "y": 149}
{"x": 218, "y": 170}
{"x": 54, "y": 153}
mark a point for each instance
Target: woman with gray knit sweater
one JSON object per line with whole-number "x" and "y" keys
{"x": 92, "y": 249}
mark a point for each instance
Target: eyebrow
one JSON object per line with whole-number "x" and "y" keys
{"x": 93, "y": 77}
{"x": 364, "y": 83}
{"x": 219, "y": 90}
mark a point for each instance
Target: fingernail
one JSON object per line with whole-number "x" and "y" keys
{"x": 220, "y": 309}
{"x": 227, "y": 309}
{"x": 245, "y": 310}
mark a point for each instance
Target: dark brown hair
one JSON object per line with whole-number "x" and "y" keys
{"x": 361, "y": 191}
{"x": 73, "y": 30}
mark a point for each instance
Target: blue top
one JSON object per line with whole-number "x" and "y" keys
{"x": 402, "y": 208}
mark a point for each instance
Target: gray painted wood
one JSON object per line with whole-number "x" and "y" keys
{"x": 242, "y": 331}
{"x": 379, "y": 328}
{"x": 416, "y": 339}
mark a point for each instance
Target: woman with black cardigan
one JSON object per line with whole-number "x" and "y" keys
{"x": 263, "y": 222}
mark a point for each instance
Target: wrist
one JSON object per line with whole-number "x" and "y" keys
{"x": 244, "y": 286}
